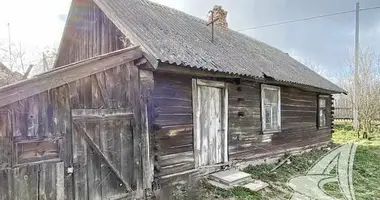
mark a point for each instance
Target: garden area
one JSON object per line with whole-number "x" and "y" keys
{"x": 366, "y": 171}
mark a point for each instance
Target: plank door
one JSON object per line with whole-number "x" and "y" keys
{"x": 103, "y": 154}
{"x": 210, "y": 100}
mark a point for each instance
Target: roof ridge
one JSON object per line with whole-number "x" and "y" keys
{"x": 174, "y": 10}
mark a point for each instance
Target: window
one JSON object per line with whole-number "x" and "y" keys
{"x": 270, "y": 108}
{"x": 322, "y": 111}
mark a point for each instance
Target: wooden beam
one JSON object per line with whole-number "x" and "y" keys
{"x": 196, "y": 126}
{"x": 95, "y": 147}
{"x": 175, "y": 69}
{"x": 146, "y": 87}
{"x": 216, "y": 84}
{"x": 225, "y": 123}
{"x": 63, "y": 75}
{"x": 103, "y": 114}
{"x": 104, "y": 117}
{"x": 167, "y": 68}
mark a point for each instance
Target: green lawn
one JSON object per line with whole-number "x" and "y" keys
{"x": 366, "y": 175}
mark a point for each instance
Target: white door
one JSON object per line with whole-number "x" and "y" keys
{"x": 210, "y": 122}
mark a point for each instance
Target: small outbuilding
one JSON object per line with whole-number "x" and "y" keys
{"x": 143, "y": 95}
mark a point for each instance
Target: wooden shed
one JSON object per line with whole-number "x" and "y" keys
{"x": 76, "y": 132}
{"x": 115, "y": 121}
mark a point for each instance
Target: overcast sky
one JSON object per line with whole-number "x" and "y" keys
{"x": 326, "y": 42}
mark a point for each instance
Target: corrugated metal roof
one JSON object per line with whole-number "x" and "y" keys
{"x": 175, "y": 37}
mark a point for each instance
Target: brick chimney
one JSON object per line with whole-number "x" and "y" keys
{"x": 220, "y": 14}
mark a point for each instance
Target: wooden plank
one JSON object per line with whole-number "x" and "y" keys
{"x": 219, "y": 143}
{"x": 136, "y": 122}
{"x": 209, "y": 83}
{"x": 204, "y": 123}
{"x": 101, "y": 85}
{"x": 5, "y": 184}
{"x": 65, "y": 148}
{"x": 80, "y": 148}
{"x": 110, "y": 84}
{"x": 96, "y": 148}
{"x": 42, "y": 114}
{"x": 196, "y": 123}
{"x": 97, "y": 99}
{"x": 146, "y": 85}
{"x": 96, "y": 117}
{"x": 31, "y": 108}
{"x": 25, "y": 183}
{"x": 49, "y": 187}
{"x": 118, "y": 90}
{"x": 52, "y": 114}
{"x": 35, "y": 150}
{"x": 18, "y": 118}
{"x": 60, "y": 181}
{"x": 66, "y": 74}
{"x": 94, "y": 163}
{"x": 126, "y": 153}
{"x": 5, "y": 139}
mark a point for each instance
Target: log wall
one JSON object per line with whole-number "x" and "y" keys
{"x": 173, "y": 135}
{"x": 173, "y": 123}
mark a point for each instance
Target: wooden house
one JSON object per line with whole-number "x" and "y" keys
{"x": 143, "y": 95}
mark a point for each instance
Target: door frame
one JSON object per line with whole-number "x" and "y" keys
{"x": 196, "y": 116}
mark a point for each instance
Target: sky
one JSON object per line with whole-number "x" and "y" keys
{"x": 325, "y": 42}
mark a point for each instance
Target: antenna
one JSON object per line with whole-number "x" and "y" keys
{"x": 10, "y": 47}
{"x": 212, "y": 25}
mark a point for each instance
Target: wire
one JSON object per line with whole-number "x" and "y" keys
{"x": 308, "y": 18}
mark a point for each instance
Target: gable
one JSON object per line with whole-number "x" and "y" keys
{"x": 88, "y": 33}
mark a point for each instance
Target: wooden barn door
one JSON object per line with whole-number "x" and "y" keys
{"x": 210, "y": 122}
{"x": 105, "y": 165}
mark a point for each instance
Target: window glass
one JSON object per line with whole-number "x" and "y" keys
{"x": 322, "y": 118}
{"x": 270, "y": 101}
{"x": 322, "y": 103}
{"x": 271, "y": 96}
{"x": 322, "y": 112}
{"x": 274, "y": 116}
{"x": 267, "y": 117}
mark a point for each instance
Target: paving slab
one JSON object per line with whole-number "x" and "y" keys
{"x": 230, "y": 177}
{"x": 256, "y": 185}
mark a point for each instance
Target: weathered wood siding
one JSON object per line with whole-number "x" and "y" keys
{"x": 39, "y": 130}
{"x": 173, "y": 122}
{"x": 298, "y": 123}
{"x": 88, "y": 33}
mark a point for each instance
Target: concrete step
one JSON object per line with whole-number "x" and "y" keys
{"x": 233, "y": 178}
{"x": 230, "y": 177}
{"x": 256, "y": 185}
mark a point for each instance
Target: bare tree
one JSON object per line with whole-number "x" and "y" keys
{"x": 21, "y": 60}
{"x": 368, "y": 91}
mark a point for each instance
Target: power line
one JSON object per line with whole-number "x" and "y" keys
{"x": 307, "y": 18}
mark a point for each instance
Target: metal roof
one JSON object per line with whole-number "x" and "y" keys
{"x": 178, "y": 38}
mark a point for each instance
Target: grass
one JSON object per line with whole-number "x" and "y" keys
{"x": 366, "y": 171}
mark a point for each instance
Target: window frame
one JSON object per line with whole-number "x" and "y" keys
{"x": 263, "y": 116}
{"x": 326, "y": 98}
